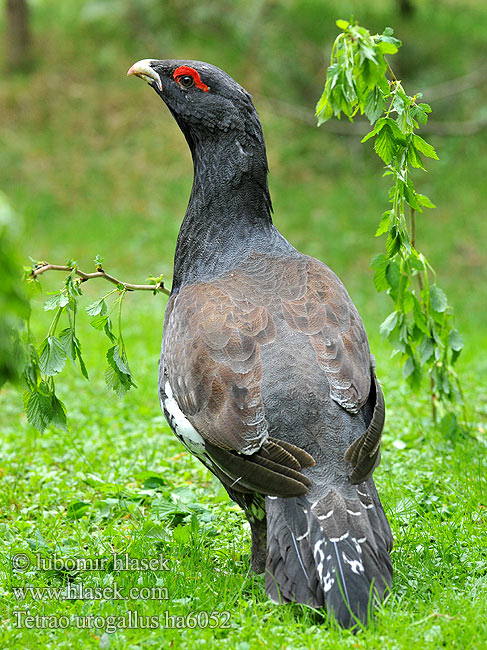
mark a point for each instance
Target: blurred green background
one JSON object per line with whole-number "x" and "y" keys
{"x": 94, "y": 163}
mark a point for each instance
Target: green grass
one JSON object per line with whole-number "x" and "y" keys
{"x": 95, "y": 164}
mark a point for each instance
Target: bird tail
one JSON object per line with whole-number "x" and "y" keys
{"x": 333, "y": 553}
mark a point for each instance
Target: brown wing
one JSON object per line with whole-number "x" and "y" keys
{"x": 213, "y": 333}
{"x": 212, "y": 356}
{"x": 327, "y": 315}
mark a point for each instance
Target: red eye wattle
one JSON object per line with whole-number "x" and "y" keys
{"x": 181, "y": 75}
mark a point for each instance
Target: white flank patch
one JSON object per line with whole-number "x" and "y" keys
{"x": 180, "y": 423}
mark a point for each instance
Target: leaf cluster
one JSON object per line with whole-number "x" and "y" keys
{"x": 421, "y": 326}
{"x": 46, "y": 361}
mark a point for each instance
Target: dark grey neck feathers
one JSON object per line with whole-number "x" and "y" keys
{"x": 229, "y": 211}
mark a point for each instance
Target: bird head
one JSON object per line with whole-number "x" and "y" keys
{"x": 199, "y": 95}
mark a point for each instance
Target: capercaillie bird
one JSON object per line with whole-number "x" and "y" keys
{"x": 266, "y": 374}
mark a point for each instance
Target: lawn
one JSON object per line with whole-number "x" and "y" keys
{"x": 94, "y": 164}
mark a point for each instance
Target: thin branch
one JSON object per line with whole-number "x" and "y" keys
{"x": 389, "y": 69}
{"x": 361, "y": 126}
{"x": 99, "y": 273}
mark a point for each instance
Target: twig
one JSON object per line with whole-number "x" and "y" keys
{"x": 360, "y": 126}
{"x": 99, "y": 273}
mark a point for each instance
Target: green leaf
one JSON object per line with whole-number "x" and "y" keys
{"x": 426, "y": 349}
{"x": 379, "y": 263}
{"x": 77, "y": 509}
{"x": 377, "y": 128}
{"x": 52, "y": 356}
{"x": 424, "y": 147}
{"x": 121, "y": 364}
{"x": 411, "y": 198}
{"x": 424, "y": 201}
{"x": 67, "y": 339}
{"x": 342, "y": 24}
{"x": 393, "y": 244}
{"x": 118, "y": 376}
{"x": 52, "y": 302}
{"x": 384, "y": 223}
{"x": 408, "y": 368}
{"x": 374, "y": 105}
{"x": 419, "y": 112}
{"x": 385, "y": 146}
{"x": 59, "y": 414}
{"x": 96, "y": 308}
{"x": 389, "y": 324}
{"x": 455, "y": 340}
{"x": 38, "y": 407}
{"x": 100, "y": 321}
{"x": 82, "y": 366}
{"x": 414, "y": 159}
{"x": 386, "y": 47}
{"x": 393, "y": 274}
{"x": 407, "y": 301}
{"x": 439, "y": 301}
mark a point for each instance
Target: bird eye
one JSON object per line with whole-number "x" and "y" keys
{"x": 186, "y": 81}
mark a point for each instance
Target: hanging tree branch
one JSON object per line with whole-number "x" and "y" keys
{"x": 41, "y": 268}
{"x": 45, "y": 361}
{"x": 421, "y": 327}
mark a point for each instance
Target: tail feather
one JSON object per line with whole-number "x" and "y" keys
{"x": 334, "y": 552}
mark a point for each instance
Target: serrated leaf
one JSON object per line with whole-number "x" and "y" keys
{"x": 385, "y": 146}
{"x": 414, "y": 159}
{"x": 393, "y": 274}
{"x": 389, "y": 324}
{"x": 121, "y": 364}
{"x": 407, "y": 301}
{"x": 82, "y": 366}
{"x": 59, "y": 414}
{"x": 425, "y": 148}
{"x": 99, "y": 321}
{"x": 374, "y": 105}
{"x": 96, "y": 308}
{"x": 52, "y": 302}
{"x": 408, "y": 368}
{"x": 118, "y": 376}
{"x": 377, "y": 128}
{"x": 38, "y": 409}
{"x": 393, "y": 244}
{"x": 425, "y": 201}
{"x": 411, "y": 198}
{"x": 379, "y": 264}
{"x": 384, "y": 223}
{"x": 379, "y": 261}
{"x": 426, "y": 349}
{"x": 380, "y": 280}
{"x": 455, "y": 340}
{"x": 52, "y": 356}
{"x": 439, "y": 301}
{"x": 67, "y": 340}
{"x": 419, "y": 316}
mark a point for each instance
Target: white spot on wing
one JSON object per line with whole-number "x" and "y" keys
{"x": 180, "y": 423}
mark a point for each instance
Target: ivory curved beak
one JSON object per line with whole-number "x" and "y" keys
{"x": 144, "y": 70}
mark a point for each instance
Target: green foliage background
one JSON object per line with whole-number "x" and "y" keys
{"x": 93, "y": 163}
